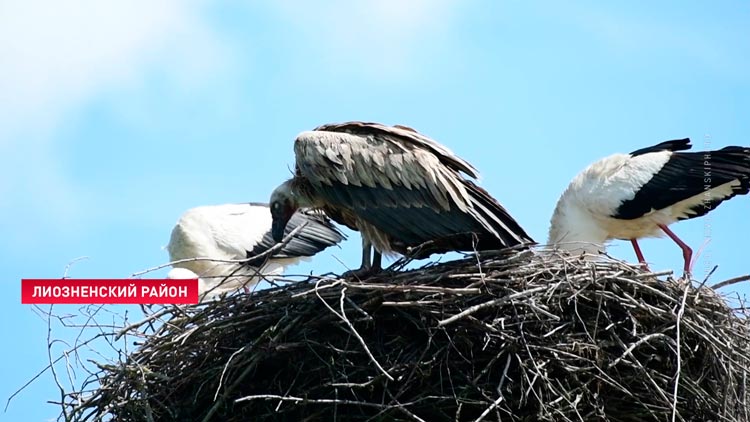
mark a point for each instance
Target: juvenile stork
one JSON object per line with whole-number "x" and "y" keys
{"x": 401, "y": 190}
{"x": 630, "y": 196}
{"x": 239, "y": 231}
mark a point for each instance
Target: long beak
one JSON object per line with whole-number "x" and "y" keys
{"x": 277, "y": 229}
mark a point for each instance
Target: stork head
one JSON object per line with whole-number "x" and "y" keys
{"x": 283, "y": 206}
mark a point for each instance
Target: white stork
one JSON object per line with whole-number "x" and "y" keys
{"x": 239, "y": 231}
{"x": 630, "y": 196}
{"x": 401, "y": 190}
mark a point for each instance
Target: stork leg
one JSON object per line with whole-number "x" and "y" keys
{"x": 368, "y": 267}
{"x": 377, "y": 261}
{"x": 366, "y": 252}
{"x": 639, "y": 254}
{"x": 687, "y": 253}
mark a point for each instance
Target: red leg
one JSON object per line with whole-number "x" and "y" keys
{"x": 639, "y": 254}
{"x": 687, "y": 253}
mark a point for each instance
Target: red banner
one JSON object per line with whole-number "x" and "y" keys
{"x": 109, "y": 291}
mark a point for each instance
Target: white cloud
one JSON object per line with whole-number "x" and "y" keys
{"x": 57, "y": 56}
{"x": 379, "y": 38}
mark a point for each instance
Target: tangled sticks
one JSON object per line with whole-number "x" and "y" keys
{"x": 511, "y": 336}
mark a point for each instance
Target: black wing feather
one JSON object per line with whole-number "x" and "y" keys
{"x": 412, "y": 226}
{"x": 673, "y": 145}
{"x": 688, "y": 174}
{"x": 318, "y": 234}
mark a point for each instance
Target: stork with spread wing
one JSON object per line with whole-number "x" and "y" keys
{"x": 401, "y": 190}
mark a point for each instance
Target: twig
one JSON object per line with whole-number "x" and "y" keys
{"x": 224, "y": 371}
{"x": 489, "y": 409}
{"x": 652, "y": 274}
{"x": 705, "y": 279}
{"x": 152, "y": 317}
{"x": 315, "y": 401}
{"x": 731, "y": 281}
{"x": 490, "y": 303}
{"x": 632, "y": 347}
{"x": 678, "y": 323}
{"x": 343, "y": 317}
{"x": 70, "y": 264}
{"x": 415, "y": 289}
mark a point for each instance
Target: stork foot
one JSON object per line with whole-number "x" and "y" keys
{"x": 367, "y": 269}
{"x": 687, "y": 254}
{"x": 687, "y": 272}
{"x": 639, "y": 255}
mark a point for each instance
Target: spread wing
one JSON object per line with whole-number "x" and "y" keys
{"x": 391, "y": 168}
{"x": 397, "y": 180}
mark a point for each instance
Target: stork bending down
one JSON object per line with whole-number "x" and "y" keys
{"x": 240, "y": 231}
{"x": 401, "y": 190}
{"x": 630, "y": 196}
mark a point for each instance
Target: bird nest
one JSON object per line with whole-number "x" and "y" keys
{"x": 511, "y": 336}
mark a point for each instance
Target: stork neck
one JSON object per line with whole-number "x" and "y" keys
{"x": 300, "y": 189}
{"x": 574, "y": 229}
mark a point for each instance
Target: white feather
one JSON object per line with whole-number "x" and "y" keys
{"x": 582, "y": 219}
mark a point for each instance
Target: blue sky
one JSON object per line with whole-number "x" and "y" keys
{"x": 116, "y": 117}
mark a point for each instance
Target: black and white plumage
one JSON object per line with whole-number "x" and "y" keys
{"x": 239, "y": 231}
{"x": 630, "y": 196}
{"x": 400, "y": 189}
